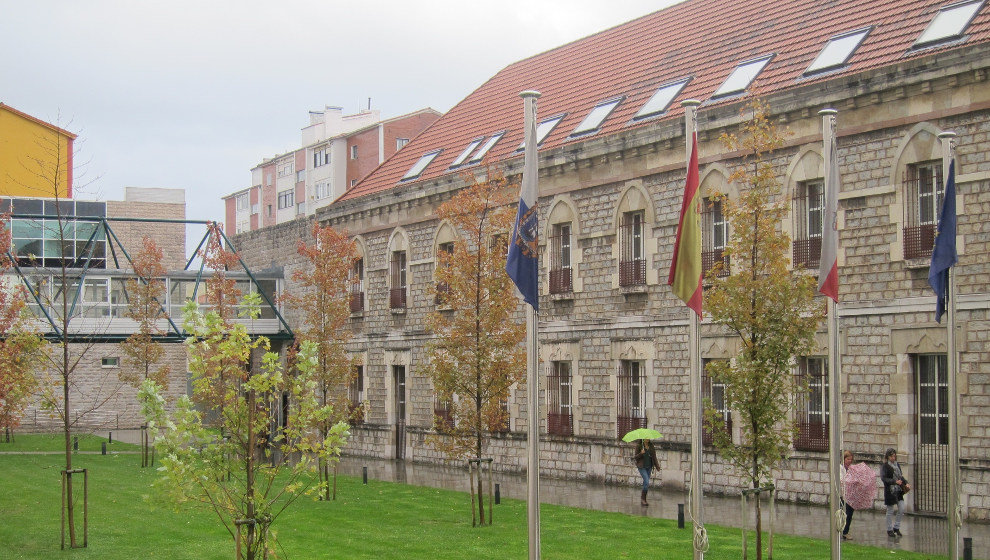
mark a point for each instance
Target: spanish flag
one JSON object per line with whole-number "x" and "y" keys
{"x": 685, "y": 268}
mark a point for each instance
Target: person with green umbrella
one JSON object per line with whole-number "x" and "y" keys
{"x": 646, "y": 461}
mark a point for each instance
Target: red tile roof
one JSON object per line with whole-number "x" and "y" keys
{"x": 701, "y": 39}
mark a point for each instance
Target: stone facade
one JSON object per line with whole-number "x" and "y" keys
{"x": 886, "y": 123}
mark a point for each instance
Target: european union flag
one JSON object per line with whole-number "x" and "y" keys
{"x": 944, "y": 255}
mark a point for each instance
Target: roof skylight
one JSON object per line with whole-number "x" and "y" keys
{"x": 837, "y": 51}
{"x": 597, "y": 116}
{"x": 949, "y": 22}
{"x": 742, "y": 76}
{"x": 487, "y": 146}
{"x": 467, "y": 151}
{"x": 543, "y": 129}
{"x": 661, "y": 99}
{"x": 417, "y": 169}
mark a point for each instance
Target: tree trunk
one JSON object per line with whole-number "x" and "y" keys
{"x": 66, "y": 426}
{"x": 249, "y": 489}
{"x": 759, "y": 516}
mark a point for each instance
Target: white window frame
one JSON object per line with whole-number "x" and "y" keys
{"x": 286, "y": 199}
{"x": 936, "y": 31}
{"x": 467, "y": 151}
{"x": 742, "y": 76}
{"x": 488, "y": 145}
{"x": 661, "y": 99}
{"x": 421, "y": 164}
{"x": 597, "y": 116}
{"x": 837, "y": 52}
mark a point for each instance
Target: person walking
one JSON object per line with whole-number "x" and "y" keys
{"x": 646, "y": 461}
{"x": 847, "y": 459}
{"x": 894, "y": 488}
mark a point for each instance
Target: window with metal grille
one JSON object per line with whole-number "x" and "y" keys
{"x": 399, "y": 382}
{"x": 714, "y": 234}
{"x": 355, "y": 394}
{"x": 397, "y": 293}
{"x": 560, "y": 419}
{"x": 500, "y": 423}
{"x": 443, "y": 414}
{"x": 444, "y": 252}
{"x": 632, "y": 260}
{"x": 499, "y": 244}
{"x": 923, "y": 192}
{"x": 812, "y": 404}
{"x": 714, "y": 390}
{"x": 809, "y": 209}
{"x": 357, "y": 285}
{"x": 560, "y": 259}
{"x": 630, "y": 412}
{"x": 931, "y": 451}
{"x": 933, "y": 398}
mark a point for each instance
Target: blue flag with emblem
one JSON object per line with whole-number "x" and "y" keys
{"x": 944, "y": 256}
{"x": 522, "y": 263}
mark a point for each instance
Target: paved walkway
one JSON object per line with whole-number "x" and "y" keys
{"x": 921, "y": 534}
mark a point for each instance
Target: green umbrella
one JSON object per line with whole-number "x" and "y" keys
{"x": 641, "y": 433}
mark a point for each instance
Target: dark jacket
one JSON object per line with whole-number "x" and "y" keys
{"x": 889, "y": 480}
{"x": 640, "y": 452}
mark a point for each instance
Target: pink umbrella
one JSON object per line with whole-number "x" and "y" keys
{"x": 860, "y": 486}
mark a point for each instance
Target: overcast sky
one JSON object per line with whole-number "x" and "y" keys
{"x": 193, "y": 94}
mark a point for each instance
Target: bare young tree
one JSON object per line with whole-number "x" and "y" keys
{"x": 55, "y": 281}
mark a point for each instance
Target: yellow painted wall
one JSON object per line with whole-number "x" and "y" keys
{"x": 34, "y": 157}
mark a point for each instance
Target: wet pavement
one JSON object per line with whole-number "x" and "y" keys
{"x": 921, "y": 534}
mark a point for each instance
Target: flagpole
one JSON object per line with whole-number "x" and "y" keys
{"x": 836, "y": 524}
{"x": 530, "y": 170}
{"x": 694, "y": 351}
{"x": 952, "y": 503}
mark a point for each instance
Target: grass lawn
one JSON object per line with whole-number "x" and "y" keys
{"x": 380, "y": 520}
{"x": 56, "y": 442}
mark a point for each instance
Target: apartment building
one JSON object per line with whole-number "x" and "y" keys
{"x": 337, "y": 151}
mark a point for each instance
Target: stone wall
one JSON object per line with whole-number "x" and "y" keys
{"x": 885, "y": 309}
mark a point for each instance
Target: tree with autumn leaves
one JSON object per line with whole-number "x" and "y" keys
{"x": 322, "y": 303}
{"x": 20, "y": 345}
{"x": 475, "y": 354}
{"x": 768, "y": 306}
{"x": 225, "y": 447}
{"x": 145, "y": 300}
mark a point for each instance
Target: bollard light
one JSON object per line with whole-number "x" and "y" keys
{"x": 75, "y": 443}
{"x": 104, "y": 447}
{"x": 110, "y": 436}
{"x": 967, "y": 548}
{"x": 498, "y": 495}
{"x": 364, "y": 474}
{"x": 680, "y": 516}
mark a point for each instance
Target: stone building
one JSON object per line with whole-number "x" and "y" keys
{"x": 612, "y": 170}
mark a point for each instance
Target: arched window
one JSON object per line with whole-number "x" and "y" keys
{"x": 634, "y": 219}
{"x": 561, "y": 256}
{"x": 398, "y": 271}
